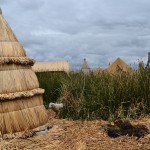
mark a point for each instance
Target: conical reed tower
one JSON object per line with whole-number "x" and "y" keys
{"x": 85, "y": 67}
{"x": 21, "y": 103}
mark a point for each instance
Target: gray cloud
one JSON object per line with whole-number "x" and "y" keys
{"x": 99, "y": 30}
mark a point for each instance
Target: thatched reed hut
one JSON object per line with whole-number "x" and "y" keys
{"x": 21, "y": 104}
{"x": 52, "y": 66}
{"x": 98, "y": 71}
{"x": 119, "y": 66}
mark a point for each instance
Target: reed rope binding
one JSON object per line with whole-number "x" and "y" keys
{"x": 23, "y": 94}
{"x": 17, "y": 61}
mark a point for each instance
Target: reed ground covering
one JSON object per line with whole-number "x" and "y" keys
{"x": 101, "y": 96}
{"x": 78, "y": 135}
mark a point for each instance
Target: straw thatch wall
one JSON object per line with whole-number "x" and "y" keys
{"x": 119, "y": 66}
{"x": 21, "y": 104}
{"x": 53, "y": 66}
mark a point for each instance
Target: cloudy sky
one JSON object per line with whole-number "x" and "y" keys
{"x": 99, "y": 30}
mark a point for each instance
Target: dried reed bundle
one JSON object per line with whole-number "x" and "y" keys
{"x": 16, "y": 60}
{"x": 5, "y": 67}
{"x": 9, "y": 106}
{"x": 11, "y": 49}
{"x": 22, "y": 120}
{"x": 17, "y": 80}
{"x": 23, "y": 94}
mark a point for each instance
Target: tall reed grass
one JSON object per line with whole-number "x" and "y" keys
{"x": 51, "y": 82}
{"x": 103, "y": 95}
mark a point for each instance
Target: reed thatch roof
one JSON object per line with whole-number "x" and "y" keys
{"x": 119, "y": 66}
{"x": 51, "y": 66}
{"x": 98, "y": 71}
{"x": 21, "y": 104}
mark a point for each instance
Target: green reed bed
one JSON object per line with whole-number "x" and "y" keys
{"x": 51, "y": 82}
{"x": 103, "y": 95}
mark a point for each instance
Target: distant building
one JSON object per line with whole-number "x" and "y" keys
{"x": 119, "y": 66}
{"x": 52, "y": 66}
{"x": 98, "y": 71}
{"x": 148, "y": 62}
{"x": 85, "y": 67}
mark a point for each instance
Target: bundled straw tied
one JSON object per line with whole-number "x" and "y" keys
{"x": 22, "y": 120}
{"x": 21, "y": 104}
{"x": 9, "y": 106}
{"x": 11, "y": 49}
{"x": 18, "y": 80}
{"x": 5, "y": 67}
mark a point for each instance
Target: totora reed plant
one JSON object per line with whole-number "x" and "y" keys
{"x": 106, "y": 96}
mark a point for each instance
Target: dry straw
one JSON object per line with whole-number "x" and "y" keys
{"x": 11, "y": 49}
{"x": 78, "y": 135}
{"x": 21, "y": 104}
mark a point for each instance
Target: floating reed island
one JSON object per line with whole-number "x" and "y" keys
{"x": 21, "y": 103}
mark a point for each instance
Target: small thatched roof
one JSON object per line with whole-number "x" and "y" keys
{"x": 119, "y": 66}
{"x": 54, "y": 66}
{"x": 21, "y": 104}
{"x": 98, "y": 71}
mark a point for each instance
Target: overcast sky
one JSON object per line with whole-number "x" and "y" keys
{"x": 99, "y": 30}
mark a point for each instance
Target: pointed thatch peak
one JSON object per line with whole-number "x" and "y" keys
{"x": 6, "y": 34}
{"x": 119, "y": 65}
{"x": 9, "y": 45}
